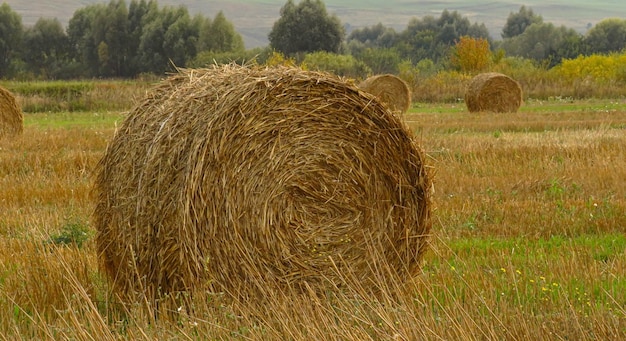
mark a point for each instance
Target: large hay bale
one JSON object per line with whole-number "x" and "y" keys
{"x": 238, "y": 178}
{"x": 11, "y": 118}
{"x": 390, "y": 89}
{"x": 493, "y": 91}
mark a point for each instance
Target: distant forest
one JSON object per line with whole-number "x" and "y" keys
{"x": 127, "y": 40}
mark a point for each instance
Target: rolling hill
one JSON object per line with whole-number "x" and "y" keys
{"x": 253, "y": 19}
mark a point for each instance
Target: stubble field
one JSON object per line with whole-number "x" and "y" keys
{"x": 528, "y": 238}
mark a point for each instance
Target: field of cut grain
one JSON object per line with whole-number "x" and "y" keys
{"x": 528, "y": 238}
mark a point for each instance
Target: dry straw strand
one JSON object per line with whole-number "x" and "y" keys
{"x": 390, "y": 89}
{"x": 11, "y": 117}
{"x": 494, "y": 92}
{"x": 242, "y": 179}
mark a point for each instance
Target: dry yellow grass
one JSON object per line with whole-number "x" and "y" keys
{"x": 528, "y": 244}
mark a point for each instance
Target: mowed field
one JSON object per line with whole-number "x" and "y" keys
{"x": 528, "y": 238}
{"x": 253, "y": 19}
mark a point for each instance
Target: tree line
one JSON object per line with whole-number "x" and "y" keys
{"x": 524, "y": 35}
{"x": 111, "y": 40}
{"x": 120, "y": 40}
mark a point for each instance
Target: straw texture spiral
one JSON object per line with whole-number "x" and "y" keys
{"x": 243, "y": 178}
{"x": 11, "y": 117}
{"x": 391, "y": 90}
{"x": 494, "y": 92}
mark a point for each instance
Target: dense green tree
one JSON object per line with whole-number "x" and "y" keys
{"x": 432, "y": 37}
{"x": 181, "y": 37}
{"x": 151, "y": 55}
{"x": 45, "y": 48}
{"x": 381, "y": 60}
{"x": 517, "y": 23}
{"x": 571, "y": 46}
{"x": 83, "y": 44}
{"x": 205, "y": 39}
{"x": 10, "y": 37}
{"x": 168, "y": 39}
{"x": 306, "y": 27}
{"x": 544, "y": 41}
{"x": 219, "y": 35}
{"x": 418, "y": 41}
{"x": 101, "y": 40}
{"x": 607, "y": 36}
{"x": 449, "y": 25}
{"x": 110, "y": 31}
{"x": 137, "y": 12}
{"x": 374, "y": 36}
{"x": 115, "y": 41}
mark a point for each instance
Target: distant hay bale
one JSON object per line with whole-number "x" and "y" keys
{"x": 11, "y": 118}
{"x": 493, "y": 91}
{"x": 240, "y": 178}
{"x": 390, "y": 89}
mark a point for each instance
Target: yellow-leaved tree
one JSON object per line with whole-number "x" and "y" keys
{"x": 471, "y": 55}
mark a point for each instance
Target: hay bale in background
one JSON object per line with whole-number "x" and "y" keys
{"x": 390, "y": 89}
{"x": 11, "y": 118}
{"x": 244, "y": 178}
{"x": 493, "y": 91}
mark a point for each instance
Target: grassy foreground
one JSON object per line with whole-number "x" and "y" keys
{"x": 528, "y": 239}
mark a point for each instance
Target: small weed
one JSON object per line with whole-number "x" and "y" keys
{"x": 471, "y": 223}
{"x": 556, "y": 189}
{"x": 73, "y": 232}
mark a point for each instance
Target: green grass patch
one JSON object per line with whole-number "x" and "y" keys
{"x": 530, "y": 105}
{"x": 73, "y": 119}
{"x": 54, "y": 89}
{"x": 438, "y": 108}
{"x": 532, "y": 274}
{"x": 568, "y": 104}
{"x": 86, "y": 95}
{"x": 603, "y": 246}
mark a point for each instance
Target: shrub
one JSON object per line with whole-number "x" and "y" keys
{"x": 342, "y": 65}
{"x": 597, "y": 68}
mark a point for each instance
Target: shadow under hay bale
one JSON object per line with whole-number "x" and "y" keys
{"x": 11, "y": 117}
{"x": 494, "y": 92}
{"x": 389, "y": 89}
{"x": 240, "y": 179}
